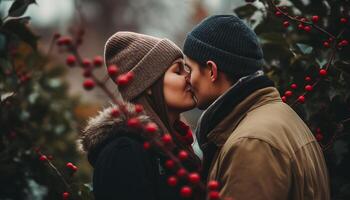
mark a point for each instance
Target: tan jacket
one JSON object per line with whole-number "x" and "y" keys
{"x": 266, "y": 152}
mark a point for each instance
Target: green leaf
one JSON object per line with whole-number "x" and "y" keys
{"x": 273, "y": 37}
{"x": 340, "y": 148}
{"x": 86, "y": 192}
{"x": 305, "y": 49}
{"x": 54, "y": 83}
{"x": 33, "y": 97}
{"x": 2, "y": 42}
{"x": 343, "y": 66}
{"x": 245, "y": 11}
{"x": 19, "y": 28}
{"x": 19, "y": 7}
{"x": 6, "y": 96}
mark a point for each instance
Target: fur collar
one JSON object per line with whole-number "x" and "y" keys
{"x": 104, "y": 126}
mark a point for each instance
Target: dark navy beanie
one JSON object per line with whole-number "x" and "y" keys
{"x": 229, "y": 42}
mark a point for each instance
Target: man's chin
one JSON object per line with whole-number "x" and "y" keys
{"x": 202, "y": 105}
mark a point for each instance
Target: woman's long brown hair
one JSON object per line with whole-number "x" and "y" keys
{"x": 155, "y": 106}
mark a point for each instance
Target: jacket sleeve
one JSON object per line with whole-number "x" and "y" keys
{"x": 123, "y": 171}
{"x": 252, "y": 169}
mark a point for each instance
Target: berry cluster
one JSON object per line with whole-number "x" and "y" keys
{"x": 189, "y": 182}
{"x": 70, "y": 166}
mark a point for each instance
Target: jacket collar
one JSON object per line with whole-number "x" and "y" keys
{"x": 224, "y": 129}
{"x": 224, "y": 105}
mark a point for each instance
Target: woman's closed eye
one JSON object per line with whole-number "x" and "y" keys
{"x": 180, "y": 70}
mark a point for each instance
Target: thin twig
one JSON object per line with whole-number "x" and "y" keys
{"x": 271, "y": 3}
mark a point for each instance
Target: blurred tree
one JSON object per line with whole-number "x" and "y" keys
{"x": 37, "y": 119}
{"x": 307, "y": 55}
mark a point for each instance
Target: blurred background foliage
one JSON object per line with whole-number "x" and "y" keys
{"x": 44, "y": 106}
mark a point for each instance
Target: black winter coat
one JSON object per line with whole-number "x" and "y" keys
{"x": 122, "y": 168}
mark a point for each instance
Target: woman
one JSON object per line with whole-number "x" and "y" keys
{"x": 123, "y": 168}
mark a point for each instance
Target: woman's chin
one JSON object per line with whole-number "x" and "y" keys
{"x": 187, "y": 104}
{"x": 190, "y": 104}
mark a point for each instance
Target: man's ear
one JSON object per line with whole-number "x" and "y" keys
{"x": 213, "y": 70}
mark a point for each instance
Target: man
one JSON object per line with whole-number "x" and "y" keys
{"x": 255, "y": 145}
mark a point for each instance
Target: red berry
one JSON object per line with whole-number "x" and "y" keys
{"x": 213, "y": 185}
{"x": 122, "y": 80}
{"x": 288, "y": 93}
{"x": 323, "y": 72}
{"x": 130, "y": 75}
{"x": 43, "y": 158}
{"x": 343, "y": 20}
{"x": 64, "y": 41}
{"x": 65, "y": 195}
{"x": 74, "y": 168}
{"x": 307, "y": 28}
{"x": 181, "y": 173}
{"x": 189, "y": 137}
{"x": 115, "y": 112}
{"x": 169, "y": 164}
{"x": 186, "y": 192}
{"x": 304, "y": 19}
{"x": 286, "y": 24}
{"x": 69, "y": 165}
{"x": 134, "y": 122}
{"x": 300, "y": 26}
{"x": 71, "y": 60}
{"x": 278, "y": 13}
{"x": 24, "y": 78}
{"x": 37, "y": 149}
{"x": 172, "y": 181}
{"x": 294, "y": 86}
{"x": 56, "y": 36}
{"x": 343, "y": 43}
{"x": 214, "y": 195}
{"x": 113, "y": 70}
{"x": 146, "y": 145}
{"x": 98, "y": 61}
{"x": 284, "y": 99}
{"x": 326, "y": 44}
{"x": 315, "y": 18}
{"x": 151, "y": 127}
{"x": 166, "y": 138}
{"x": 183, "y": 155}
{"x": 308, "y": 78}
{"x": 319, "y": 137}
{"x": 89, "y": 84}
{"x": 138, "y": 108}
{"x": 86, "y": 63}
{"x": 301, "y": 99}
{"x": 308, "y": 88}
{"x": 194, "y": 178}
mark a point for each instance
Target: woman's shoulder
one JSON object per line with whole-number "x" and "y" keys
{"x": 111, "y": 129}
